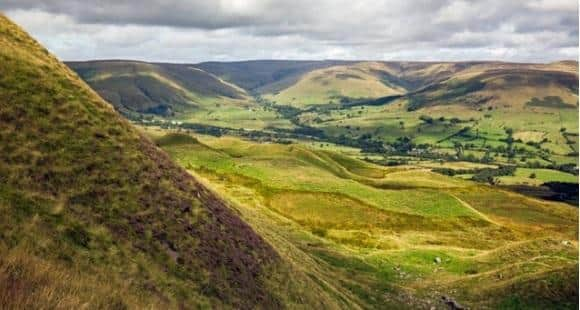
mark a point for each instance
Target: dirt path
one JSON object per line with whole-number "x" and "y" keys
{"x": 465, "y": 204}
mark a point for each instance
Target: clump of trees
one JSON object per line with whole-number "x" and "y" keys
{"x": 483, "y": 175}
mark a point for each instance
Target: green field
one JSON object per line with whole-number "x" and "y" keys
{"x": 537, "y": 177}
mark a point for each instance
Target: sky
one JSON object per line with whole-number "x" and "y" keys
{"x": 191, "y": 31}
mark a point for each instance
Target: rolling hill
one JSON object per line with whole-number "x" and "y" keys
{"x": 94, "y": 215}
{"x": 504, "y": 86}
{"x": 161, "y": 89}
{"x": 384, "y": 234}
{"x": 333, "y": 84}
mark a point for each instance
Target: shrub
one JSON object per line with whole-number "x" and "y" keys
{"x": 319, "y": 231}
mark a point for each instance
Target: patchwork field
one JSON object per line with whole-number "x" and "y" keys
{"x": 392, "y": 234}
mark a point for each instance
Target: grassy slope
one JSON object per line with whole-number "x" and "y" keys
{"x": 154, "y": 88}
{"x": 497, "y": 248}
{"x": 322, "y": 86}
{"x": 93, "y": 214}
{"x": 503, "y": 85}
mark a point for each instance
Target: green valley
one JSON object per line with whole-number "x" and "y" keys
{"x": 399, "y": 183}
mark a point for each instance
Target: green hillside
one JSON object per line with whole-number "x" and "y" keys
{"x": 389, "y": 234}
{"x": 94, "y": 215}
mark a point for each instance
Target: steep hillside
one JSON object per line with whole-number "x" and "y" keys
{"x": 162, "y": 89}
{"x": 92, "y": 214}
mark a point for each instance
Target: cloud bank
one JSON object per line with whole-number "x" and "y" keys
{"x": 194, "y": 31}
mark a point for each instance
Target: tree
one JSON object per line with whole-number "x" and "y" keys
{"x": 533, "y": 175}
{"x": 486, "y": 157}
{"x": 402, "y": 124}
{"x": 509, "y": 131}
{"x": 458, "y": 149}
{"x": 426, "y": 119}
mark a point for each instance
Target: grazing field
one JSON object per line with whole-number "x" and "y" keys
{"x": 379, "y": 233}
{"x": 537, "y": 177}
{"x": 247, "y": 116}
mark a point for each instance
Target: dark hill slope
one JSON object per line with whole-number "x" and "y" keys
{"x": 93, "y": 214}
{"x": 262, "y": 76}
{"x": 162, "y": 89}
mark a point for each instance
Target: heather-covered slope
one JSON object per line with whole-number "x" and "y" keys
{"x": 93, "y": 214}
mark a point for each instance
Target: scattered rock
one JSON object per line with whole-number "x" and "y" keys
{"x": 566, "y": 242}
{"x": 451, "y": 303}
{"x": 437, "y": 260}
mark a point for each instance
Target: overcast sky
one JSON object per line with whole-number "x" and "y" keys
{"x": 199, "y": 30}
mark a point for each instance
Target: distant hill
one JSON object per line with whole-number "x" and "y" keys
{"x": 263, "y": 76}
{"x": 503, "y": 85}
{"x": 93, "y": 214}
{"x": 337, "y": 83}
{"x": 168, "y": 89}
{"x": 162, "y": 89}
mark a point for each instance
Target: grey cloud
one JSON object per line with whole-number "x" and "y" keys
{"x": 180, "y": 30}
